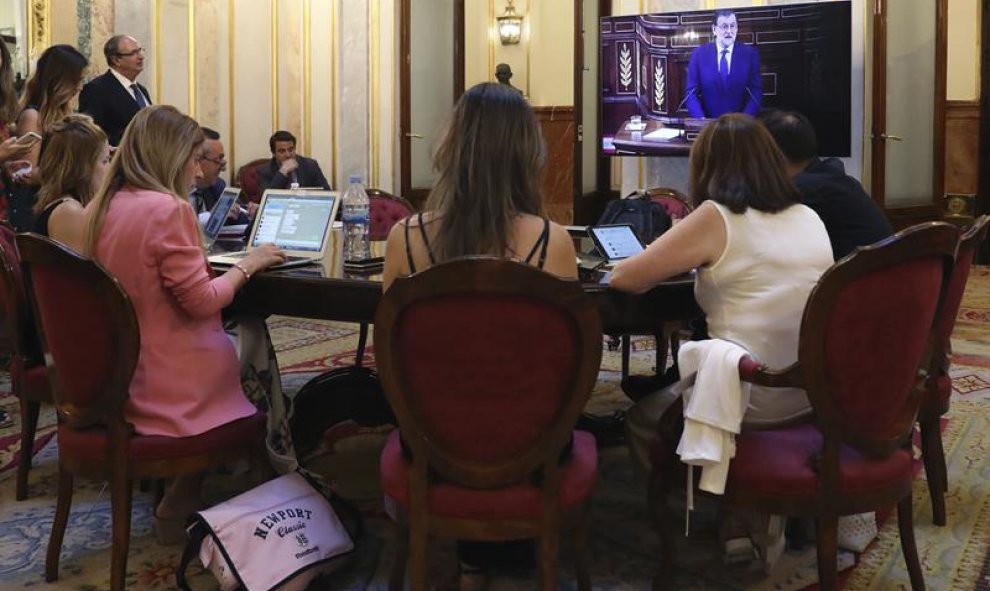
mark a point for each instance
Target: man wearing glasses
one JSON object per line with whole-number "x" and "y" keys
{"x": 723, "y": 76}
{"x": 113, "y": 98}
{"x": 210, "y": 186}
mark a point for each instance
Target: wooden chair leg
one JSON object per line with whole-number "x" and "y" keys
{"x": 397, "y": 576}
{"x": 581, "y": 551}
{"x": 549, "y": 554}
{"x": 120, "y": 506}
{"x": 656, "y": 500}
{"x": 905, "y": 526}
{"x": 828, "y": 551}
{"x": 419, "y": 554}
{"x": 934, "y": 459}
{"x": 62, "y": 507}
{"x": 626, "y": 345}
{"x": 29, "y": 427}
{"x": 661, "y": 350}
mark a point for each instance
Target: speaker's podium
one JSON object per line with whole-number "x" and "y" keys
{"x": 657, "y": 136}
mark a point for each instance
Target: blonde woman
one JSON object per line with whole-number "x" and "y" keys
{"x": 75, "y": 157}
{"x": 145, "y": 233}
{"x": 48, "y": 98}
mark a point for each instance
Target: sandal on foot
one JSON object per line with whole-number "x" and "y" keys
{"x": 739, "y": 551}
{"x": 472, "y": 578}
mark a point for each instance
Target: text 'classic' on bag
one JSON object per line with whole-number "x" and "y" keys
{"x": 279, "y": 535}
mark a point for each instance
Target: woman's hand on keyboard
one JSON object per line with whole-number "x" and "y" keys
{"x": 262, "y": 257}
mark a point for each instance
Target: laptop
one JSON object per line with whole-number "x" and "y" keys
{"x": 615, "y": 242}
{"x": 218, "y": 215}
{"x": 298, "y": 222}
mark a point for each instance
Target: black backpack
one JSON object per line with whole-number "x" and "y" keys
{"x": 648, "y": 218}
{"x": 346, "y": 393}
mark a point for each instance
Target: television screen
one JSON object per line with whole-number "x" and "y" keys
{"x": 664, "y": 75}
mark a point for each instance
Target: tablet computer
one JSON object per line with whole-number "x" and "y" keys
{"x": 615, "y": 242}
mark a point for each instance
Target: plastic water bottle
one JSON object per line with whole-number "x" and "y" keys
{"x": 356, "y": 218}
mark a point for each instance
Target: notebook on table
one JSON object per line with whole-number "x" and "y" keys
{"x": 218, "y": 215}
{"x": 297, "y": 222}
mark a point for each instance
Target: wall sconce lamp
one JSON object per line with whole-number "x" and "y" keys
{"x": 509, "y": 25}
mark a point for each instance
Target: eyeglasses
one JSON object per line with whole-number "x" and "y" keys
{"x": 132, "y": 52}
{"x": 221, "y": 162}
{"x": 727, "y": 28}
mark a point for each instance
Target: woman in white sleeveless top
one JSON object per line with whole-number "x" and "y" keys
{"x": 758, "y": 253}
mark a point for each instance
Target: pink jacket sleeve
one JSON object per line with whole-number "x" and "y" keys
{"x": 182, "y": 265}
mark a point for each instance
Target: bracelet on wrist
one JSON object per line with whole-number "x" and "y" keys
{"x": 240, "y": 267}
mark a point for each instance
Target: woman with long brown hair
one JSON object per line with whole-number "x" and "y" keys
{"x": 75, "y": 157}
{"x": 49, "y": 97}
{"x": 486, "y": 201}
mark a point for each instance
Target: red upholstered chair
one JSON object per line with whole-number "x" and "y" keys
{"x": 386, "y": 210}
{"x": 487, "y": 364}
{"x": 939, "y": 387}
{"x": 865, "y": 333}
{"x": 91, "y": 336}
{"x": 673, "y": 201}
{"x": 247, "y": 179}
{"x": 28, "y": 376}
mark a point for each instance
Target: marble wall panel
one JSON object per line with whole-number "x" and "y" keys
{"x": 172, "y": 56}
{"x": 101, "y": 28}
{"x": 962, "y": 143}
{"x": 558, "y": 181}
{"x": 353, "y": 122}
{"x": 288, "y": 51}
{"x": 210, "y": 50}
{"x": 252, "y": 80}
{"x": 322, "y": 89}
{"x": 384, "y": 115}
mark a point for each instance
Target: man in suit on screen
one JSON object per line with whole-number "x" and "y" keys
{"x": 113, "y": 98}
{"x": 723, "y": 76}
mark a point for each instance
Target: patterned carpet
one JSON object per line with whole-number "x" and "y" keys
{"x": 622, "y": 546}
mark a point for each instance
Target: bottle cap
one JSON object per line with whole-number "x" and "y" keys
{"x": 354, "y": 178}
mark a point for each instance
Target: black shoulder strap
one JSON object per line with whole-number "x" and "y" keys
{"x": 541, "y": 244}
{"x": 409, "y": 257}
{"x": 426, "y": 241}
{"x": 197, "y": 533}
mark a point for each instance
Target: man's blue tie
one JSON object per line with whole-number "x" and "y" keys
{"x": 139, "y": 96}
{"x": 723, "y": 66}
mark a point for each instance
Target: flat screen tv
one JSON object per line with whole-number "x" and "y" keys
{"x": 664, "y": 75}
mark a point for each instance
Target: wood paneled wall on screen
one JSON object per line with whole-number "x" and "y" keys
{"x": 557, "y": 124}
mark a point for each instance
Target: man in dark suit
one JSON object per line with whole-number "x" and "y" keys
{"x": 723, "y": 76}
{"x": 113, "y": 98}
{"x": 286, "y": 167}
{"x": 851, "y": 218}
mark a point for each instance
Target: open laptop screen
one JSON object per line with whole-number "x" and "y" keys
{"x": 294, "y": 222}
{"x": 213, "y": 225}
{"x": 616, "y": 242}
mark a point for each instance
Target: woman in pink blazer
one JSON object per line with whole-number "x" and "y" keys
{"x": 143, "y": 230}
